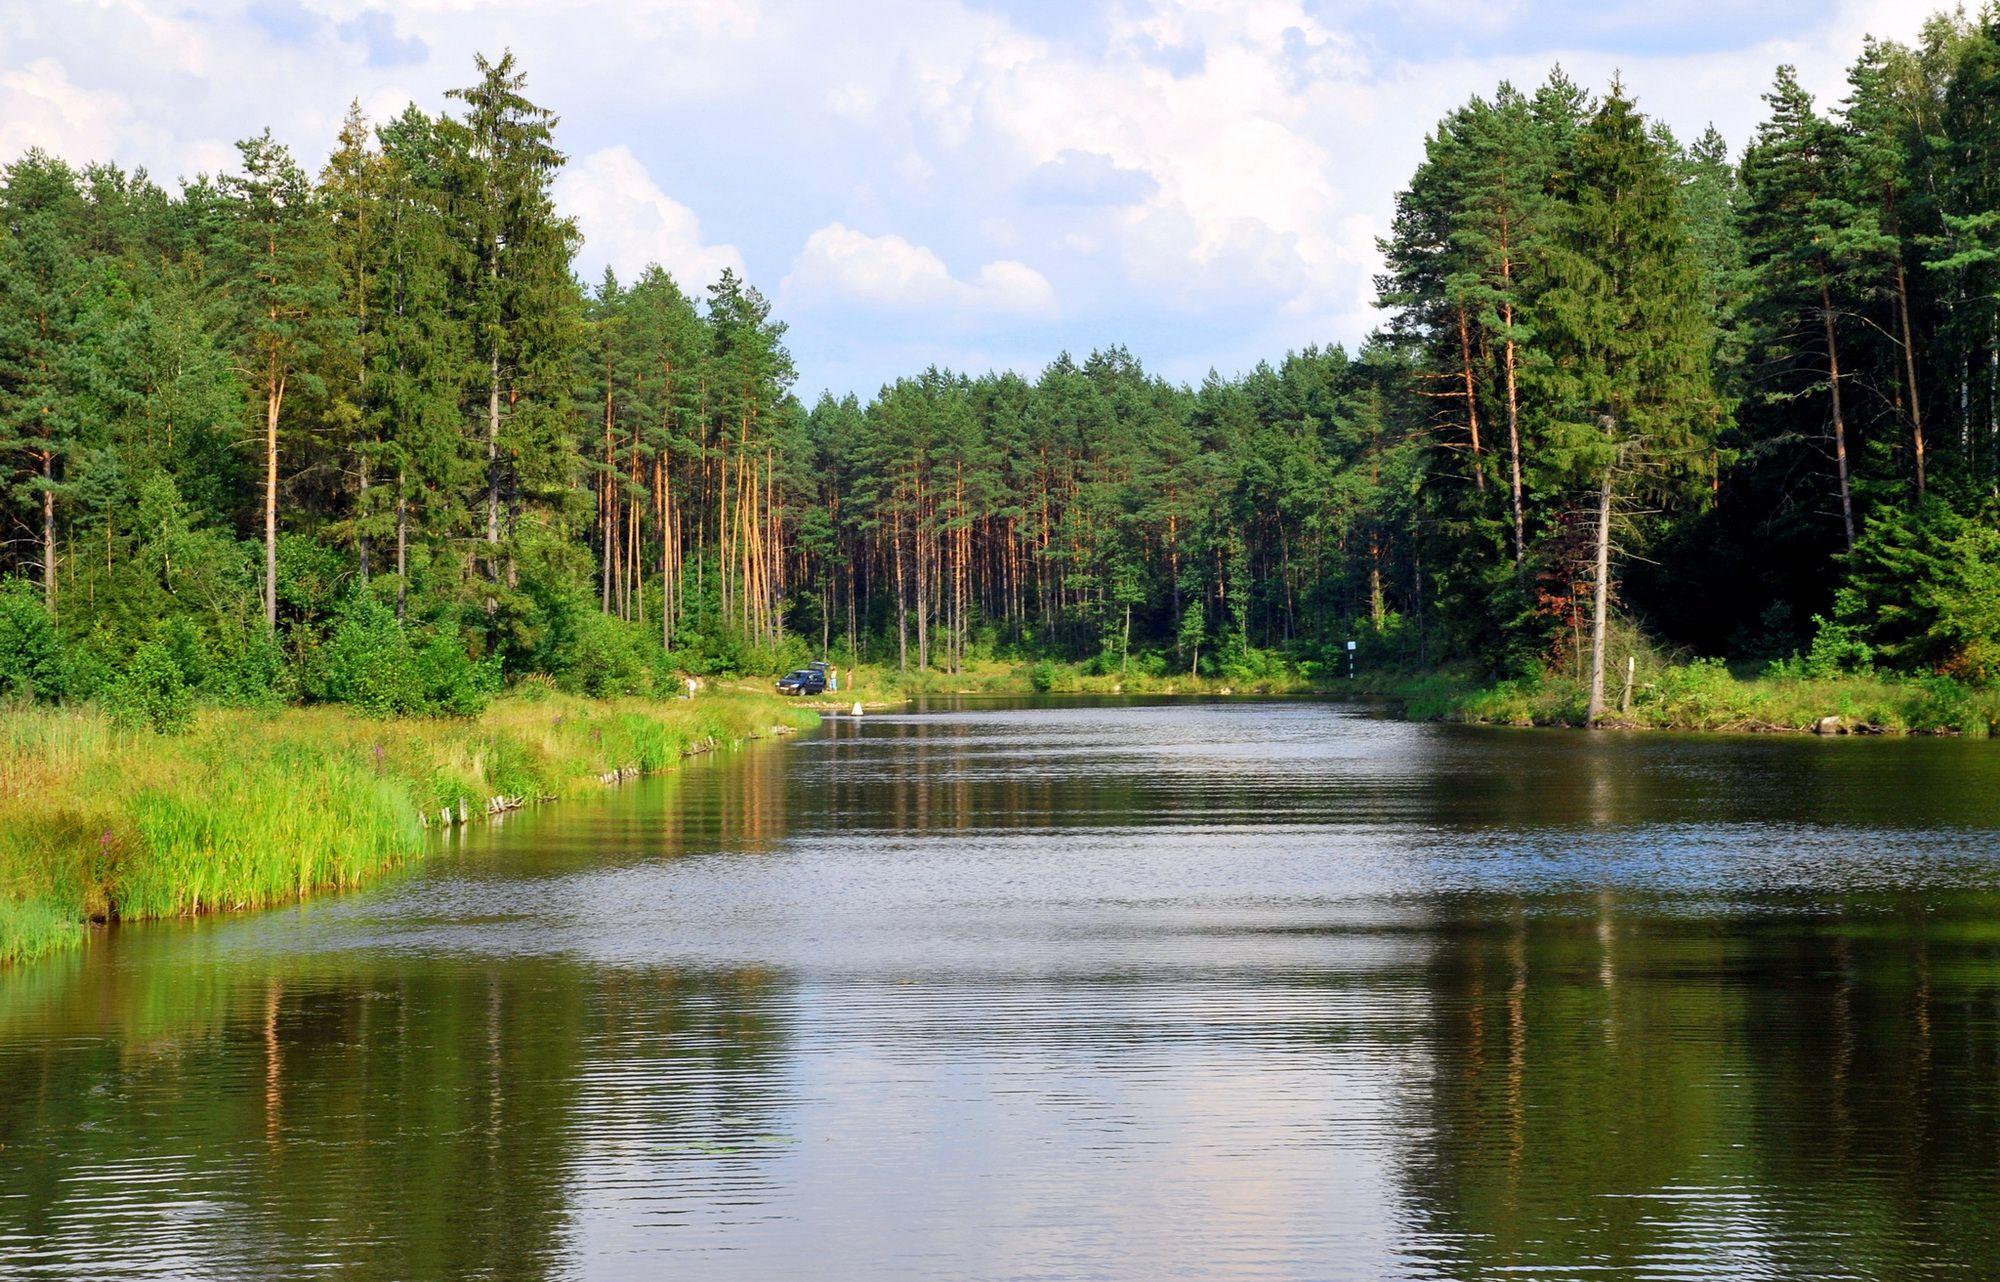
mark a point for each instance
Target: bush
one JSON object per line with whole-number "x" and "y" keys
{"x": 233, "y": 661}
{"x": 1940, "y": 703}
{"x": 373, "y": 662}
{"x": 31, "y": 654}
{"x": 1047, "y": 676}
{"x": 151, "y": 691}
{"x": 598, "y": 655}
{"x": 1837, "y": 649}
{"x": 1252, "y": 665}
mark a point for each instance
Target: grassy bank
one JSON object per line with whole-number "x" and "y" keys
{"x": 878, "y": 685}
{"x": 1706, "y": 696}
{"x": 251, "y": 808}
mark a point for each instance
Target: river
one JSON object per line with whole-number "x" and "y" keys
{"x": 1117, "y": 990}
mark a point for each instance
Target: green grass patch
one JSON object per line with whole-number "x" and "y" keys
{"x": 101, "y": 819}
{"x": 1704, "y": 695}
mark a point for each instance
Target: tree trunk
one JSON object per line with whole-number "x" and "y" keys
{"x": 607, "y": 507}
{"x": 273, "y": 402}
{"x": 1375, "y": 606}
{"x": 1514, "y": 447}
{"x": 1471, "y": 400}
{"x": 902, "y": 602}
{"x": 402, "y": 546}
{"x": 492, "y": 473}
{"x": 923, "y": 574}
{"x": 1839, "y": 419}
{"x": 1600, "y": 604}
{"x": 361, "y": 536}
{"x": 1910, "y": 371}
{"x": 49, "y": 531}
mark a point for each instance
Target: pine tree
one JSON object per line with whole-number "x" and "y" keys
{"x": 1808, "y": 243}
{"x": 1969, "y": 257}
{"x": 1508, "y": 167}
{"x": 46, "y": 294}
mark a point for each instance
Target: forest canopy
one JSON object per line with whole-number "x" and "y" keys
{"x": 363, "y": 436}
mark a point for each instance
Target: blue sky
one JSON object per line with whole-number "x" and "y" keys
{"x": 978, "y": 183}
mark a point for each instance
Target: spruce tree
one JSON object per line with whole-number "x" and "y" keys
{"x": 1626, "y": 331}
{"x": 519, "y": 297}
{"x": 286, "y": 302}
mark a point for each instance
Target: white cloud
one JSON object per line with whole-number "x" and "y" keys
{"x": 628, "y": 222}
{"x": 1201, "y": 178}
{"x": 840, "y": 265}
{"x": 41, "y": 107}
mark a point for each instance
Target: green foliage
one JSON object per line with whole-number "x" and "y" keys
{"x": 1837, "y": 649}
{"x": 374, "y": 663}
{"x": 150, "y": 690}
{"x": 1045, "y": 676}
{"x": 31, "y": 653}
{"x": 1923, "y": 590}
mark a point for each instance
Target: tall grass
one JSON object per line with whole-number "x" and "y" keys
{"x": 252, "y": 808}
{"x": 1708, "y": 696}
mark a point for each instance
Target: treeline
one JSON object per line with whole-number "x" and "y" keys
{"x": 1756, "y": 405}
{"x": 364, "y": 436}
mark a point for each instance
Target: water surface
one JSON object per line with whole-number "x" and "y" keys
{"x": 1132, "y": 991}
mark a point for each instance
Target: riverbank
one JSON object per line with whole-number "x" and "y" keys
{"x": 252, "y": 808}
{"x": 1705, "y": 696}
{"x": 878, "y": 686}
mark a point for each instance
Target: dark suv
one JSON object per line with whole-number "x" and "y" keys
{"x": 804, "y": 681}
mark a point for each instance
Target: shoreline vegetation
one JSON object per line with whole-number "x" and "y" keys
{"x": 1704, "y": 697}
{"x": 102, "y": 821}
{"x": 1697, "y": 695}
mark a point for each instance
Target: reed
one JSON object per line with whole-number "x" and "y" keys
{"x": 252, "y": 808}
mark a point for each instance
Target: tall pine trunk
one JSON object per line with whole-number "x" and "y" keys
{"x": 1514, "y": 446}
{"x": 493, "y": 473}
{"x": 274, "y": 400}
{"x": 49, "y": 531}
{"x": 1910, "y": 372}
{"x": 1839, "y": 418}
{"x": 361, "y": 508}
{"x": 402, "y": 545}
{"x": 902, "y": 601}
{"x": 1471, "y": 399}
{"x": 1601, "y": 600}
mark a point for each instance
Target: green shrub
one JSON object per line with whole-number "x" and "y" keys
{"x": 1046, "y": 675}
{"x": 1837, "y": 649}
{"x": 598, "y": 655}
{"x": 151, "y": 691}
{"x": 1250, "y": 665}
{"x": 232, "y": 661}
{"x": 375, "y": 663}
{"x": 1940, "y": 703}
{"x": 31, "y": 653}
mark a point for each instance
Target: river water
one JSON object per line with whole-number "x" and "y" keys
{"x": 1191, "y": 990}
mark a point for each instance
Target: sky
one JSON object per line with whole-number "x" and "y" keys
{"x": 972, "y": 183}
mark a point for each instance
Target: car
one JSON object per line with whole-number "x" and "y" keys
{"x": 804, "y": 681}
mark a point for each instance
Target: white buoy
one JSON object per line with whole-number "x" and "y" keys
{"x": 857, "y": 707}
